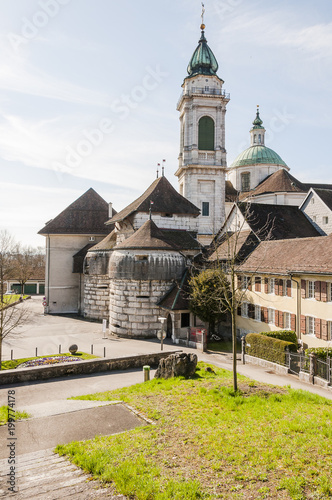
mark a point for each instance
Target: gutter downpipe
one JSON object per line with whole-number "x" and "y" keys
{"x": 48, "y": 240}
{"x": 298, "y": 306}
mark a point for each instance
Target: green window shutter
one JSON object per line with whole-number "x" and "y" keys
{"x": 206, "y": 134}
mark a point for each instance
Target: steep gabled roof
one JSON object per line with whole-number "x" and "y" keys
{"x": 177, "y": 297}
{"x": 304, "y": 255}
{"x": 165, "y": 200}
{"x": 87, "y": 215}
{"x": 325, "y": 195}
{"x": 278, "y": 182}
{"x": 231, "y": 193}
{"x": 238, "y": 244}
{"x": 147, "y": 237}
{"x": 277, "y": 221}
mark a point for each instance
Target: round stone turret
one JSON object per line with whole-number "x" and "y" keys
{"x": 142, "y": 269}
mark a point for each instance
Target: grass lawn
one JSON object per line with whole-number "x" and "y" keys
{"x": 4, "y": 415}
{"x": 9, "y": 299}
{"x": 11, "y": 364}
{"x": 223, "y": 346}
{"x": 209, "y": 443}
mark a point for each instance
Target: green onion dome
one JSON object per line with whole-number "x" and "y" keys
{"x": 203, "y": 61}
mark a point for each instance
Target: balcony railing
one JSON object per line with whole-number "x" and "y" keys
{"x": 204, "y": 91}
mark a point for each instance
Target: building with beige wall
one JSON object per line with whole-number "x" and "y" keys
{"x": 68, "y": 238}
{"x": 287, "y": 284}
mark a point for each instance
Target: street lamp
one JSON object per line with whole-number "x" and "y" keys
{"x": 162, "y": 334}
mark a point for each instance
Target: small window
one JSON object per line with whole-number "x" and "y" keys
{"x": 271, "y": 285}
{"x": 258, "y": 283}
{"x": 167, "y": 215}
{"x": 312, "y": 200}
{"x": 271, "y": 316}
{"x": 259, "y": 139}
{"x": 311, "y": 289}
{"x": 310, "y": 330}
{"x": 314, "y": 218}
{"x": 245, "y": 181}
{"x": 329, "y": 292}
{"x": 255, "y": 139}
{"x": 329, "y": 330}
{"x": 325, "y": 220}
{"x": 141, "y": 257}
{"x": 185, "y": 320}
{"x": 287, "y": 321}
{"x": 205, "y": 208}
{"x": 244, "y": 310}
{"x": 258, "y": 313}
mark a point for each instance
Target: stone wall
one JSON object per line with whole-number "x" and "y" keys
{"x": 96, "y": 297}
{"x": 133, "y": 309}
{"x": 82, "y": 367}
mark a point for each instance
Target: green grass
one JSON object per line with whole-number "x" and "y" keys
{"x": 9, "y": 299}
{"x": 223, "y": 346}
{"x": 19, "y": 415}
{"x": 210, "y": 443}
{"x": 11, "y": 364}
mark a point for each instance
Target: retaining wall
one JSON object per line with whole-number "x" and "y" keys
{"x": 81, "y": 367}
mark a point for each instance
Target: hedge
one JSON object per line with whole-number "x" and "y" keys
{"x": 320, "y": 352}
{"x": 287, "y": 335}
{"x": 268, "y": 348}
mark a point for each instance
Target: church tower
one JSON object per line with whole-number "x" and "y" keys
{"x": 202, "y": 159}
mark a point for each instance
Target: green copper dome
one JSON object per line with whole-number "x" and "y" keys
{"x": 203, "y": 61}
{"x": 258, "y": 155}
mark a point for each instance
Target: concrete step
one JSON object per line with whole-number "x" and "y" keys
{"x": 44, "y": 475}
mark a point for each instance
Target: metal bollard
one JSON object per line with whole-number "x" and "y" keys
{"x": 11, "y": 354}
{"x": 104, "y": 352}
{"x": 146, "y": 370}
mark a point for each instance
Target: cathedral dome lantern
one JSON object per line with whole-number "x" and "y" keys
{"x": 255, "y": 163}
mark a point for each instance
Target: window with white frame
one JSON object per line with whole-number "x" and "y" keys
{"x": 244, "y": 310}
{"x": 329, "y": 292}
{"x": 311, "y": 290}
{"x": 271, "y": 285}
{"x": 287, "y": 321}
{"x": 271, "y": 316}
{"x": 258, "y": 313}
{"x": 329, "y": 330}
{"x": 310, "y": 326}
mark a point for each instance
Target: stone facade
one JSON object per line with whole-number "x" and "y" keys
{"x": 96, "y": 297}
{"x": 133, "y": 309}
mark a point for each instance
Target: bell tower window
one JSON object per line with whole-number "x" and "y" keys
{"x": 206, "y": 134}
{"x": 245, "y": 181}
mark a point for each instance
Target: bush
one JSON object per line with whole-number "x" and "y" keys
{"x": 287, "y": 335}
{"x": 268, "y": 348}
{"x": 320, "y": 352}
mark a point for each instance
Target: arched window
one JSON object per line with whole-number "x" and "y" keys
{"x": 255, "y": 139}
{"x": 245, "y": 181}
{"x": 259, "y": 139}
{"x": 206, "y": 134}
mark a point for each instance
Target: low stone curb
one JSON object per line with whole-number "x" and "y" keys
{"x": 282, "y": 370}
{"x": 82, "y": 367}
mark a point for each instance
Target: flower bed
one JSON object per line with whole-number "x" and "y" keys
{"x": 48, "y": 360}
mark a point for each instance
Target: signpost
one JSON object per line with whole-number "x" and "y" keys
{"x": 161, "y": 333}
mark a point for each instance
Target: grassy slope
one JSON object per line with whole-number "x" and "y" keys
{"x": 4, "y": 415}
{"x": 210, "y": 443}
{"x": 11, "y": 364}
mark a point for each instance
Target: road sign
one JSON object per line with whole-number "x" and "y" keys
{"x": 159, "y": 334}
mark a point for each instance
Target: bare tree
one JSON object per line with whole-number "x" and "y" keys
{"x": 226, "y": 290}
{"x": 11, "y": 316}
{"x": 27, "y": 262}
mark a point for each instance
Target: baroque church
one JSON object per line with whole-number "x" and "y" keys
{"x": 129, "y": 267}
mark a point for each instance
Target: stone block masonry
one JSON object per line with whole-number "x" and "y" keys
{"x": 96, "y": 297}
{"x": 138, "y": 316}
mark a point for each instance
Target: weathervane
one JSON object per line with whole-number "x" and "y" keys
{"x": 202, "y": 16}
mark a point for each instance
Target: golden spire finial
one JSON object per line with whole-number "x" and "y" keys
{"x": 202, "y": 16}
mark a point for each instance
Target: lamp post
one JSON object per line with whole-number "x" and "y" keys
{"x": 162, "y": 332}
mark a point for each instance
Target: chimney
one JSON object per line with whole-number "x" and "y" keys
{"x": 110, "y": 210}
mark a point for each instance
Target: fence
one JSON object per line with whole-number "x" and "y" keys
{"x": 316, "y": 367}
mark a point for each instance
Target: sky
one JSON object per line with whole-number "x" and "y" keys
{"x": 88, "y": 94}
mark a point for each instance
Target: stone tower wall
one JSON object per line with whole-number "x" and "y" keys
{"x": 96, "y": 297}
{"x": 133, "y": 309}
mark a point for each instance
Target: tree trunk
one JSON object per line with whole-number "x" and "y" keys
{"x": 234, "y": 349}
